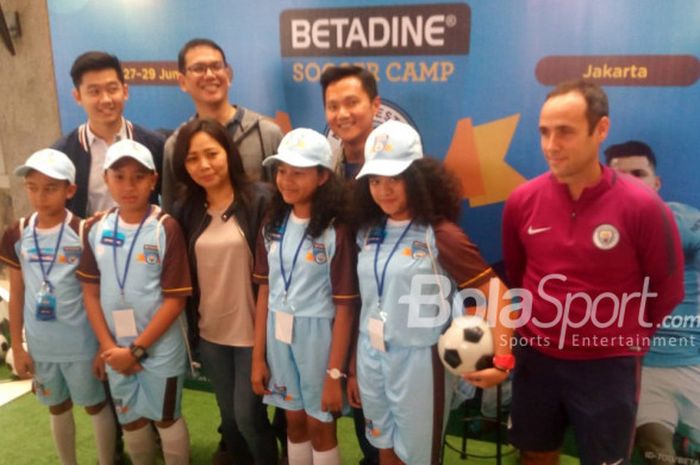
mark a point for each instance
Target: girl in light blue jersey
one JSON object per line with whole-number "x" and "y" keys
{"x": 406, "y": 207}
{"x": 308, "y": 290}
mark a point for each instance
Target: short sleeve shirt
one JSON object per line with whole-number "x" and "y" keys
{"x": 429, "y": 265}
{"x": 157, "y": 267}
{"x": 69, "y": 337}
{"x": 322, "y": 276}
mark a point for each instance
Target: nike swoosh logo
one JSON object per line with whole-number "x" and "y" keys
{"x": 614, "y": 463}
{"x": 531, "y": 231}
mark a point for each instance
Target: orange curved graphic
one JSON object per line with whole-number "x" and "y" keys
{"x": 283, "y": 121}
{"x": 477, "y": 156}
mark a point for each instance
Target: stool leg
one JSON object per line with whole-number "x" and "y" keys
{"x": 463, "y": 454}
{"x": 499, "y": 422}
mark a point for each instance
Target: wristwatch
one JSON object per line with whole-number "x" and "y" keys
{"x": 335, "y": 373}
{"x": 139, "y": 352}
{"x": 504, "y": 362}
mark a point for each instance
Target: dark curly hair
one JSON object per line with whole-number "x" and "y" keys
{"x": 194, "y": 192}
{"x": 433, "y": 194}
{"x": 326, "y": 205}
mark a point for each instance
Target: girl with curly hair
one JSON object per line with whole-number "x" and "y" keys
{"x": 409, "y": 247}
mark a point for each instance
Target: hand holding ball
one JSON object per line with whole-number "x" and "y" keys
{"x": 466, "y": 345}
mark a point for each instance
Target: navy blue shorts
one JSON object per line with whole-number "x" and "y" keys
{"x": 598, "y": 398}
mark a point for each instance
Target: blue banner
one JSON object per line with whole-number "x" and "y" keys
{"x": 471, "y": 76}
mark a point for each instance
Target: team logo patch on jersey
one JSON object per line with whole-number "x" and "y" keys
{"x": 108, "y": 238}
{"x": 71, "y": 254}
{"x": 319, "y": 252}
{"x": 419, "y": 250}
{"x": 606, "y": 236}
{"x": 150, "y": 254}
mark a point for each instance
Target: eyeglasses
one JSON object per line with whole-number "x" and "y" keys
{"x": 200, "y": 69}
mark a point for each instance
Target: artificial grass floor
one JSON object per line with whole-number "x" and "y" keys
{"x": 25, "y": 437}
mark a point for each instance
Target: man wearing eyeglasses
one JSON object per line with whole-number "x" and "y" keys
{"x": 206, "y": 77}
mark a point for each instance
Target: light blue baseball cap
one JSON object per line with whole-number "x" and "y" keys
{"x": 391, "y": 148}
{"x": 303, "y": 148}
{"x": 50, "y": 162}
{"x": 132, "y": 149}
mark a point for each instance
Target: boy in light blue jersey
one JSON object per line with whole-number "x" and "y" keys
{"x": 43, "y": 251}
{"x": 669, "y": 401}
{"x": 135, "y": 279}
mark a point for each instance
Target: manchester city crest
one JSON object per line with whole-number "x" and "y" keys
{"x": 606, "y": 236}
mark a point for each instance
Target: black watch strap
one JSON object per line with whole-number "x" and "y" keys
{"x": 139, "y": 352}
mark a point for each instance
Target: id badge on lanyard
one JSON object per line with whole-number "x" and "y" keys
{"x": 284, "y": 322}
{"x": 375, "y": 326}
{"x": 46, "y": 298}
{"x": 45, "y": 303}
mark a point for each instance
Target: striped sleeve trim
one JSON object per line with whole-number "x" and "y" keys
{"x": 261, "y": 277}
{"x": 346, "y": 297}
{"x": 177, "y": 290}
{"x": 9, "y": 262}
{"x": 477, "y": 278}
{"x": 82, "y": 274}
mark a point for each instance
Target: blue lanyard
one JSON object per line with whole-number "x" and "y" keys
{"x": 288, "y": 282}
{"x": 122, "y": 281}
{"x": 44, "y": 272}
{"x": 380, "y": 282}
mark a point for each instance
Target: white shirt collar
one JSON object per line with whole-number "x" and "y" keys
{"x": 122, "y": 134}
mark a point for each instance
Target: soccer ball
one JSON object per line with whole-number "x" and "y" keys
{"x": 466, "y": 345}
{"x": 4, "y": 347}
{"x": 10, "y": 359}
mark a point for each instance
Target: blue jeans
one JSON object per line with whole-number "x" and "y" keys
{"x": 242, "y": 412}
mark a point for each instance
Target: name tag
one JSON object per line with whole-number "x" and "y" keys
{"x": 284, "y": 327}
{"x": 108, "y": 238}
{"x": 124, "y": 323}
{"x": 376, "y": 334}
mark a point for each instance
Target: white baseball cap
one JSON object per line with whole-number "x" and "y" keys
{"x": 303, "y": 148}
{"x": 129, "y": 148}
{"x": 50, "y": 162}
{"x": 391, "y": 148}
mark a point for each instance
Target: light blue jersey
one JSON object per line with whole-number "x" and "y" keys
{"x": 411, "y": 258}
{"x": 677, "y": 342}
{"x": 68, "y": 337}
{"x": 405, "y": 389}
{"x": 318, "y": 275}
{"x": 309, "y": 292}
{"x": 157, "y": 266}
